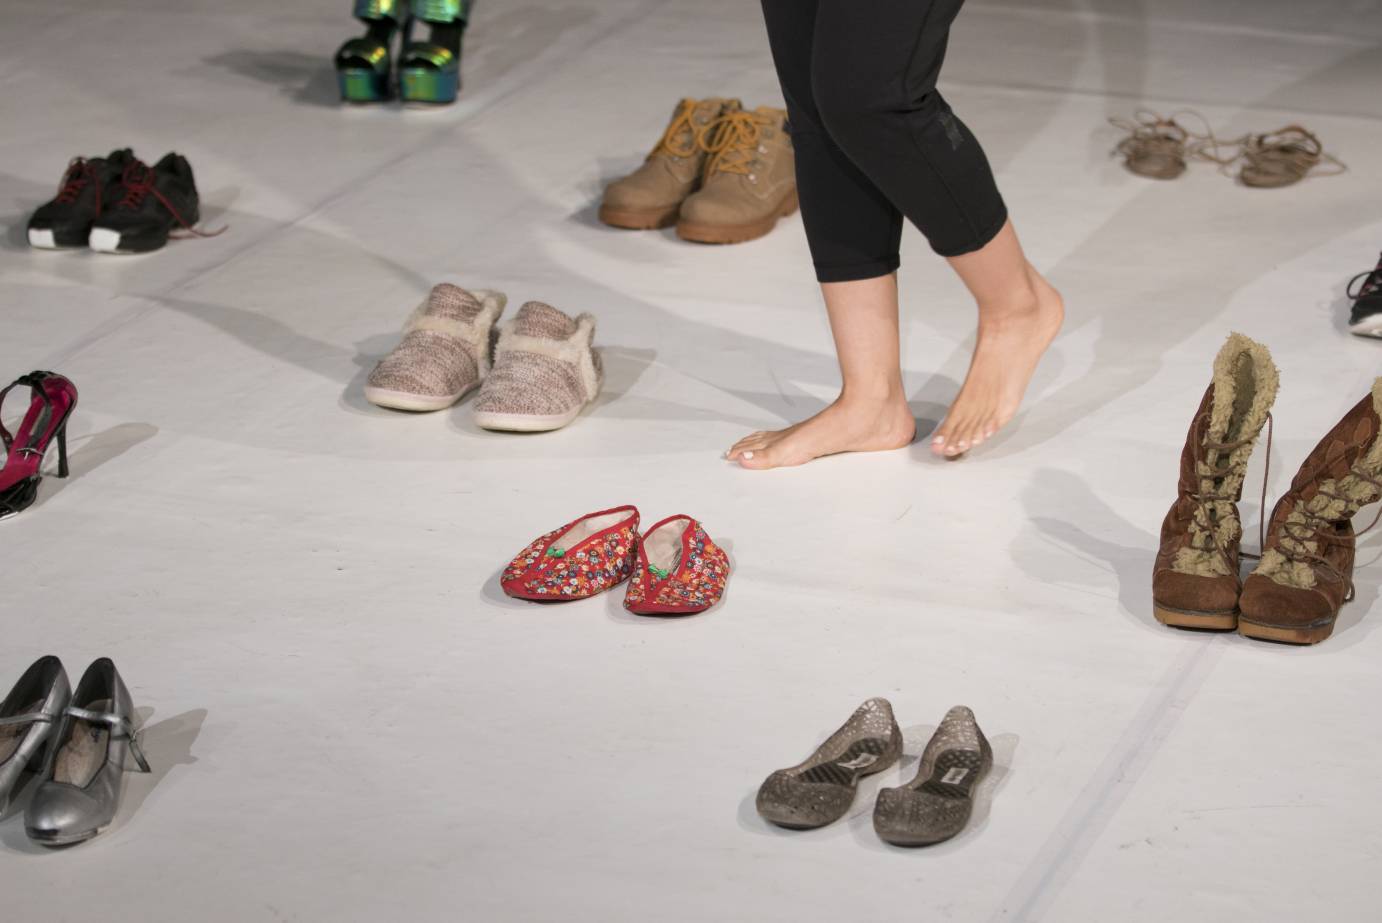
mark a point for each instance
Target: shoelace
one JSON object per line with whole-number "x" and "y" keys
{"x": 732, "y": 140}
{"x": 1320, "y": 529}
{"x": 80, "y": 172}
{"x": 1203, "y": 499}
{"x": 138, "y": 181}
{"x": 1371, "y": 283}
{"x": 679, "y": 140}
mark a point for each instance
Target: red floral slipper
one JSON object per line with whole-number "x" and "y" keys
{"x": 679, "y": 570}
{"x": 582, "y": 558}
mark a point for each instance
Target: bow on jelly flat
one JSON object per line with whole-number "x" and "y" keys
{"x": 678, "y": 570}
{"x": 83, "y": 772}
{"x": 28, "y": 719}
{"x": 582, "y": 558}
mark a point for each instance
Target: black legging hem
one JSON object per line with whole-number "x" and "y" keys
{"x": 856, "y": 272}
{"x": 980, "y": 242}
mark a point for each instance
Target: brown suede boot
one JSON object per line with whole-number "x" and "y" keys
{"x": 1306, "y": 572}
{"x": 1195, "y": 581}
{"x": 651, "y": 196}
{"x": 750, "y": 179}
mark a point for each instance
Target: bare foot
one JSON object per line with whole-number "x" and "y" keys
{"x": 848, "y": 425}
{"x": 1005, "y": 357}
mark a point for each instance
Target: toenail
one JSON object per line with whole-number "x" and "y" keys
{"x": 748, "y": 455}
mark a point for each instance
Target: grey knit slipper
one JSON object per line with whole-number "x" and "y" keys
{"x": 444, "y": 353}
{"x": 936, "y": 804}
{"x": 545, "y": 372}
{"x": 820, "y": 790}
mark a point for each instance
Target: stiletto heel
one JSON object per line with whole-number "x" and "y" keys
{"x": 62, "y": 451}
{"x": 51, "y": 402}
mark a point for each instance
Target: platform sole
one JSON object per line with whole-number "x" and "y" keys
{"x": 1261, "y": 632}
{"x": 640, "y": 219}
{"x": 359, "y": 85}
{"x": 422, "y": 86}
{"x": 736, "y": 233}
{"x": 1189, "y": 618}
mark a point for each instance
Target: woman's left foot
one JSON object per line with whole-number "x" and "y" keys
{"x": 1005, "y": 357}
{"x": 847, "y": 425}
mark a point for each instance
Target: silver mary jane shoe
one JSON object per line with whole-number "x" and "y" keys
{"x": 28, "y": 719}
{"x": 84, "y": 771}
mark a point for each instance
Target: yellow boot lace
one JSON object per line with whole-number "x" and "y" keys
{"x": 679, "y": 140}
{"x": 732, "y": 140}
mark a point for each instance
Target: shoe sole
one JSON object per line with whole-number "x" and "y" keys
{"x": 1261, "y": 632}
{"x": 1371, "y": 327}
{"x": 525, "y": 422}
{"x": 738, "y": 233}
{"x": 942, "y": 821}
{"x": 415, "y": 403}
{"x": 839, "y": 772}
{"x": 640, "y": 219}
{"x": 104, "y": 240}
{"x": 44, "y": 839}
{"x": 47, "y": 240}
{"x": 1189, "y": 618}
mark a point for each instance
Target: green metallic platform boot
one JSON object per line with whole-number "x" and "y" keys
{"x": 430, "y": 71}
{"x": 363, "y": 65}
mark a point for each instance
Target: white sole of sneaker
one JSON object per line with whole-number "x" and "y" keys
{"x": 525, "y": 422}
{"x": 402, "y": 400}
{"x": 1368, "y": 326}
{"x": 43, "y": 240}
{"x": 104, "y": 240}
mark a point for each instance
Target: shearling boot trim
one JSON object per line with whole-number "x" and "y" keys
{"x": 576, "y": 350}
{"x": 475, "y": 333}
{"x": 1335, "y": 499}
{"x": 1245, "y": 388}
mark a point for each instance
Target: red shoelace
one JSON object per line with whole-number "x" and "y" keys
{"x": 138, "y": 180}
{"x": 79, "y": 173}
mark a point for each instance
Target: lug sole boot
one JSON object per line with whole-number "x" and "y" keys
{"x": 1195, "y": 580}
{"x": 750, "y": 179}
{"x": 651, "y": 196}
{"x": 1306, "y": 572}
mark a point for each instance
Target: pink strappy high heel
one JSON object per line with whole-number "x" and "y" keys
{"x": 51, "y": 402}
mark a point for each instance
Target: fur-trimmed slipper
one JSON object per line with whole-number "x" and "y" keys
{"x": 582, "y": 558}
{"x": 545, "y": 372}
{"x": 444, "y": 353}
{"x": 679, "y": 570}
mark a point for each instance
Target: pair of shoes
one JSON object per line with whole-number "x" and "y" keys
{"x": 119, "y": 204}
{"x": 76, "y": 743}
{"x": 428, "y": 72}
{"x": 1365, "y": 291}
{"x": 537, "y": 375}
{"x": 932, "y": 808}
{"x": 720, "y": 173}
{"x": 673, "y": 568}
{"x": 52, "y": 398}
{"x": 1305, "y": 573}
{"x": 1159, "y": 147}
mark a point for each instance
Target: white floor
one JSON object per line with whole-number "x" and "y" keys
{"x": 347, "y": 719}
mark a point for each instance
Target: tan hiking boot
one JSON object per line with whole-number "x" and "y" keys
{"x": 1195, "y": 580}
{"x": 1306, "y": 572}
{"x": 750, "y": 179}
{"x": 651, "y": 196}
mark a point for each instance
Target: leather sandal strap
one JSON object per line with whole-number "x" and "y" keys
{"x": 34, "y": 382}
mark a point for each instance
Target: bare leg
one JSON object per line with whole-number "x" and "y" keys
{"x": 1019, "y": 315}
{"x": 871, "y": 413}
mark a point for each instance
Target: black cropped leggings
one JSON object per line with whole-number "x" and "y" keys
{"x": 874, "y": 139}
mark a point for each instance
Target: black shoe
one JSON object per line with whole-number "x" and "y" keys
{"x": 149, "y": 203}
{"x": 65, "y": 221}
{"x": 1366, "y": 320}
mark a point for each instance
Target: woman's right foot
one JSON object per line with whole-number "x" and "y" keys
{"x": 847, "y": 425}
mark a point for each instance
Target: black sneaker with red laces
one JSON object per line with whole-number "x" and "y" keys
{"x": 148, "y": 204}
{"x": 66, "y": 220}
{"x": 1366, "y": 292}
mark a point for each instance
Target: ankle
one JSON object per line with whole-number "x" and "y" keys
{"x": 871, "y": 394}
